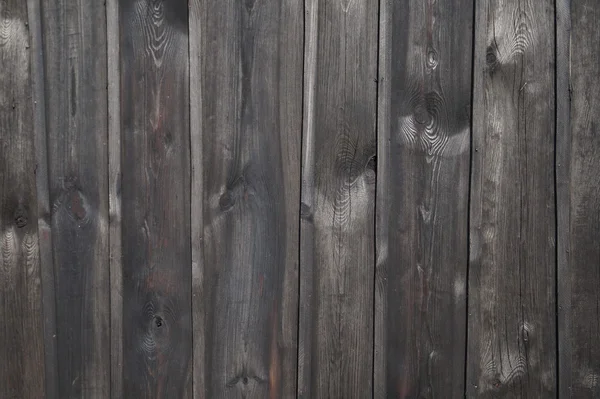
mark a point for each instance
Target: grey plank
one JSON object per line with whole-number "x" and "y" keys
{"x": 74, "y": 36}
{"x": 246, "y": 101}
{"x": 563, "y": 195}
{"x": 43, "y": 199}
{"x": 337, "y": 259}
{"x": 22, "y": 369}
{"x": 511, "y": 325}
{"x": 579, "y": 223}
{"x": 422, "y": 198}
{"x": 155, "y": 198}
{"x": 114, "y": 200}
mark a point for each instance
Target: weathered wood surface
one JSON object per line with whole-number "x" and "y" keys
{"x": 246, "y": 102}
{"x": 155, "y": 195}
{"x": 511, "y": 328}
{"x": 22, "y": 369}
{"x": 422, "y": 198}
{"x": 74, "y": 39}
{"x": 337, "y": 234}
{"x": 578, "y": 164}
{"x": 114, "y": 200}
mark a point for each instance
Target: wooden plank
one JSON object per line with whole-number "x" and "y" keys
{"x": 155, "y": 195}
{"x": 563, "y": 195}
{"x": 579, "y": 226}
{"x": 338, "y": 200}
{"x": 75, "y": 82}
{"x": 422, "y": 198}
{"x": 114, "y": 200}
{"x": 246, "y": 91}
{"x": 511, "y": 327}
{"x": 43, "y": 199}
{"x": 22, "y": 369}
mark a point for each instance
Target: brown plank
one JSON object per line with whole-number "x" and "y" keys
{"x": 74, "y": 37}
{"x": 246, "y": 101}
{"x": 512, "y": 321}
{"x": 578, "y": 163}
{"x": 22, "y": 369}
{"x": 338, "y": 200}
{"x": 155, "y": 195}
{"x": 422, "y": 198}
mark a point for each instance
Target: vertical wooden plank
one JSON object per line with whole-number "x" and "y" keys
{"x": 155, "y": 194}
{"x": 563, "y": 198}
{"x": 74, "y": 35}
{"x": 579, "y": 185}
{"x": 338, "y": 199}
{"x": 422, "y": 197}
{"x": 43, "y": 199}
{"x": 512, "y": 323}
{"x": 22, "y": 369}
{"x": 246, "y": 77}
{"x": 114, "y": 200}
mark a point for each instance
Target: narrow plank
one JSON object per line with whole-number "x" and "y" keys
{"x": 74, "y": 36}
{"x": 579, "y": 226}
{"x": 22, "y": 369}
{"x": 114, "y": 200}
{"x": 563, "y": 195}
{"x": 512, "y": 321}
{"x": 246, "y": 102}
{"x": 337, "y": 253}
{"x": 422, "y": 198}
{"x": 43, "y": 199}
{"x": 155, "y": 195}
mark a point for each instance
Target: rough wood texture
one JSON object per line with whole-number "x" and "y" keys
{"x": 43, "y": 199}
{"x": 579, "y": 228}
{"x": 76, "y": 121}
{"x": 114, "y": 200}
{"x": 246, "y": 60}
{"x": 338, "y": 199}
{"x": 512, "y": 331}
{"x": 22, "y": 369}
{"x": 155, "y": 194}
{"x": 422, "y": 198}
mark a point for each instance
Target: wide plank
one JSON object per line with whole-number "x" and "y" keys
{"x": 246, "y": 115}
{"x": 578, "y": 163}
{"x": 74, "y": 38}
{"x": 422, "y": 198}
{"x": 337, "y": 235}
{"x": 22, "y": 368}
{"x": 155, "y": 196}
{"x": 512, "y": 320}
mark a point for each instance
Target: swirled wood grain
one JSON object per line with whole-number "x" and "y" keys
{"x": 74, "y": 37}
{"x": 22, "y": 370}
{"x": 512, "y": 330}
{"x": 422, "y": 198}
{"x": 155, "y": 195}
{"x": 246, "y": 101}
{"x": 338, "y": 200}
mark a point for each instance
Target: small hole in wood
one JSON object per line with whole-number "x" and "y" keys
{"x": 158, "y": 321}
{"x": 245, "y": 380}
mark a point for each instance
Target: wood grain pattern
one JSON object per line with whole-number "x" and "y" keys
{"x": 579, "y": 204}
{"x": 422, "y": 198}
{"x": 22, "y": 369}
{"x": 155, "y": 195}
{"x": 512, "y": 330}
{"x": 246, "y": 60}
{"x": 114, "y": 200}
{"x": 338, "y": 200}
{"x": 76, "y": 116}
{"x": 43, "y": 199}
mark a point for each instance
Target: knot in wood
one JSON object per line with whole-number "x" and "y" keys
{"x": 21, "y": 217}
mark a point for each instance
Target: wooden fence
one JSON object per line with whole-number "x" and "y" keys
{"x": 311, "y": 199}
